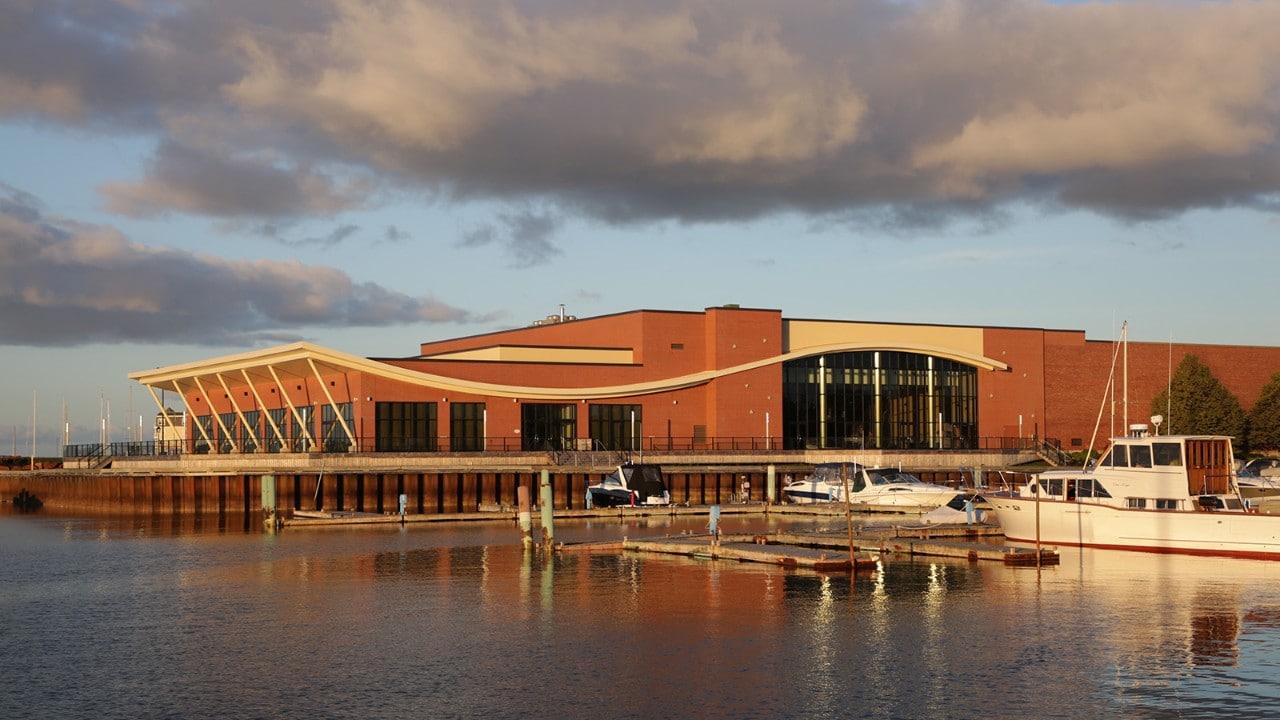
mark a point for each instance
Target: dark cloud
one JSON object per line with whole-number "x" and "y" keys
{"x": 63, "y": 283}
{"x": 694, "y": 111}
{"x": 525, "y": 236}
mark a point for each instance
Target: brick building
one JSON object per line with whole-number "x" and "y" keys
{"x": 723, "y": 378}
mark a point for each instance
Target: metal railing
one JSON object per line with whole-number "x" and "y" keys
{"x": 559, "y": 447}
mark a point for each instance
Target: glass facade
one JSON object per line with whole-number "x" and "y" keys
{"x": 615, "y": 427}
{"x": 466, "y": 427}
{"x": 406, "y": 426}
{"x": 878, "y": 400}
{"x": 333, "y": 435}
{"x": 548, "y": 426}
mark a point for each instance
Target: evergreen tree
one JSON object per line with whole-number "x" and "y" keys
{"x": 1201, "y": 405}
{"x": 1264, "y": 418}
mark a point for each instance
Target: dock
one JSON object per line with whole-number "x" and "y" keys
{"x": 827, "y": 550}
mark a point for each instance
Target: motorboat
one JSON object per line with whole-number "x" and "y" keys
{"x": 1153, "y": 493}
{"x": 631, "y": 485}
{"x": 824, "y": 484}
{"x": 872, "y": 489}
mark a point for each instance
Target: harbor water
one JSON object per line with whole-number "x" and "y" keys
{"x": 146, "y": 617}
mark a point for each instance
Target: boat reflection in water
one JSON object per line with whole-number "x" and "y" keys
{"x": 460, "y": 622}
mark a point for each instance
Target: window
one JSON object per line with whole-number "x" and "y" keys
{"x": 405, "y": 426}
{"x": 1140, "y": 455}
{"x": 878, "y": 399}
{"x": 615, "y": 427}
{"x": 279, "y": 419}
{"x": 1136, "y": 503}
{"x": 467, "y": 427}
{"x": 548, "y": 426}
{"x": 1167, "y": 453}
{"x": 1118, "y": 457}
{"x": 249, "y": 431}
{"x": 225, "y": 442}
{"x": 1090, "y": 487}
{"x": 1166, "y": 504}
{"x": 333, "y": 433}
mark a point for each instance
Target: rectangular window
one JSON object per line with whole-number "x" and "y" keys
{"x": 249, "y": 432}
{"x": 1136, "y": 503}
{"x": 1167, "y": 454}
{"x": 466, "y": 427}
{"x": 333, "y": 433}
{"x": 548, "y": 426}
{"x": 279, "y": 419}
{"x": 615, "y": 427}
{"x": 405, "y": 426}
{"x": 1140, "y": 456}
{"x": 225, "y": 441}
{"x": 1166, "y": 504}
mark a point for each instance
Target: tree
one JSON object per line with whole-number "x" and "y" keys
{"x": 1264, "y": 418}
{"x": 1201, "y": 405}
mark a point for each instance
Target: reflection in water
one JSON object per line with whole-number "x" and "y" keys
{"x": 126, "y": 618}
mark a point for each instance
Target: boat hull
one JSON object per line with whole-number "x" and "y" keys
{"x": 1086, "y": 524}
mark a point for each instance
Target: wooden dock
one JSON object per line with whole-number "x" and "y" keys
{"x": 824, "y": 550}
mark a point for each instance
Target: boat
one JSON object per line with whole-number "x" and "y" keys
{"x": 1152, "y": 493}
{"x": 872, "y": 489}
{"x": 631, "y": 485}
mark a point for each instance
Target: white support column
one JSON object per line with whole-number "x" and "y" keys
{"x": 194, "y": 418}
{"x": 297, "y": 416}
{"x": 216, "y": 418}
{"x": 351, "y": 438}
{"x": 236, "y": 406}
{"x": 265, "y": 412}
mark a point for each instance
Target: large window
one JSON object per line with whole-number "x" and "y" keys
{"x": 406, "y": 426}
{"x": 249, "y": 431}
{"x": 615, "y": 427}
{"x": 879, "y": 399}
{"x": 546, "y": 426}
{"x": 332, "y": 432}
{"x": 226, "y": 441}
{"x": 466, "y": 427}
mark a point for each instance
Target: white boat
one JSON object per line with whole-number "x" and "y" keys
{"x": 872, "y": 489}
{"x": 1165, "y": 494}
{"x": 630, "y": 486}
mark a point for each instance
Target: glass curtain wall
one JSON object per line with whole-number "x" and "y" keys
{"x": 548, "y": 426}
{"x": 615, "y": 427}
{"x": 334, "y": 436}
{"x": 406, "y": 426}
{"x": 467, "y": 427}
{"x": 879, "y": 400}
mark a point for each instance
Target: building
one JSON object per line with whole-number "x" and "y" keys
{"x": 724, "y": 378}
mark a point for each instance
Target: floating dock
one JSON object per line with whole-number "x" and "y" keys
{"x": 827, "y": 550}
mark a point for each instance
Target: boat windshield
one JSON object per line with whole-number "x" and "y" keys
{"x": 890, "y": 477}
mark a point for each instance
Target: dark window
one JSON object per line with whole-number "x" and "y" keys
{"x": 225, "y": 439}
{"x": 466, "y": 427}
{"x": 879, "y": 399}
{"x": 615, "y": 427}
{"x": 332, "y": 432}
{"x": 1140, "y": 456}
{"x": 1167, "y": 453}
{"x": 405, "y": 426}
{"x": 547, "y": 426}
{"x": 250, "y": 432}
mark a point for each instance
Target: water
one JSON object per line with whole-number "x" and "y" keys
{"x": 143, "y": 618}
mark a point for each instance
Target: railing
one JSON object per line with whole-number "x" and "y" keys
{"x": 561, "y": 449}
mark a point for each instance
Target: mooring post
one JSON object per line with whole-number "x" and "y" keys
{"x": 545, "y": 501}
{"x": 771, "y": 480}
{"x": 404, "y": 505}
{"x": 269, "y": 502}
{"x": 714, "y": 525}
{"x": 526, "y": 517}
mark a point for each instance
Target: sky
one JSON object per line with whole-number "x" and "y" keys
{"x": 182, "y": 180}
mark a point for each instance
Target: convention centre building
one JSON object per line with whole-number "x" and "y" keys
{"x": 725, "y": 378}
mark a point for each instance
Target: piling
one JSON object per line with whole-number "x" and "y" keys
{"x": 770, "y": 484}
{"x": 545, "y": 502}
{"x": 271, "y": 521}
{"x": 526, "y": 517}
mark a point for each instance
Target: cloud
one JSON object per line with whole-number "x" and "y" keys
{"x": 524, "y": 234}
{"x": 65, "y": 283}
{"x": 694, "y": 111}
{"x": 196, "y": 180}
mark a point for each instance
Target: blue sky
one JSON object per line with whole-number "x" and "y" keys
{"x": 182, "y": 180}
